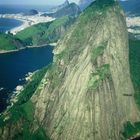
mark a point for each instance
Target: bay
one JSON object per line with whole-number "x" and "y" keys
{"x": 7, "y": 24}
{"x": 15, "y": 65}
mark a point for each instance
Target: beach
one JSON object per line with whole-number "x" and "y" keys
{"x": 27, "y": 20}
{"x": 133, "y": 24}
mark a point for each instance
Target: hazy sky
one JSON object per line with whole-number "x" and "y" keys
{"x": 35, "y": 2}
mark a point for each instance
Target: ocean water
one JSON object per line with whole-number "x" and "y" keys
{"x": 7, "y": 24}
{"x": 13, "y": 9}
{"x": 15, "y": 65}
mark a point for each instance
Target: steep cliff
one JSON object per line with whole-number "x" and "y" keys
{"x": 70, "y": 10}
{"x": 45, "y": 33}
{"x": 86, "y": 93}
{"x": 55, "y": 9}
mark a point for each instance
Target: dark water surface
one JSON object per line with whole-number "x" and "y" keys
{"x": 14, "y": 9}
{"x": 15, "y": 65}
{"x": 7, "y": 24}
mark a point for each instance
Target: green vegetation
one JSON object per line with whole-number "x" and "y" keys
{"x": 27, "y": 110}
{"x": 97, "y": 52}
{"x": 31, "y": 87}
{"x": 22, "y": 112}
{"x": 30, "y": 34}
{"x": 134, "y": 59}
{"x": 79, "y": 36}
{"x": 55, "y": 72}
{"x": 45, "y": 33}
{"x": 39, "y": 134}
{"x": 134, "y": 56}
{"x": 102, "y": 72}
{"x": 40, "y": 34}
{"x": 9, "y": 42}
{"x": 57, "y": 23}
{"x": 131, "y": 129}
{"x": 103, "y": 3}
{"x": 24, "y": 107}
{"x": 97, "y": 77}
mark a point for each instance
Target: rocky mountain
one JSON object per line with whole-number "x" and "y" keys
{"x": 55, "y": 9}
{"x": 129, "y": 6}
{"x": 45, "y": 33}
{"x": 87, "y": 93}
{"x": 32, "y": 12}
{"x": 85, "y": 3}
{"x": 70, "y": 10}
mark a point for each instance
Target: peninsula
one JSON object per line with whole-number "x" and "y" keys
{"x": 28, "y": 20}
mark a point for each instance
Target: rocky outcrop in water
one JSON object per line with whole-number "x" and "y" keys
{"x": 32, "y": 12}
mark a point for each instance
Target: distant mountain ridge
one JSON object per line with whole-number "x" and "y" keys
{"x": 71, "y": 9}
{"x": 32, "y": 12}
{"x": 55, "y": 9}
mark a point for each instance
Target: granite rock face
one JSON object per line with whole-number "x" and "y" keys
{"x": 55, "y": 9}
{"x": 88, "y": 93}
{"x": 71, "y": 9}
{"x": 94, "y": 96}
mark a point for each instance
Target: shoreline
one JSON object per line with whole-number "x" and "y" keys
{"x": 27, "y": 47}
{"x": 26, "y": 20}
{"x": 10, "y": 51}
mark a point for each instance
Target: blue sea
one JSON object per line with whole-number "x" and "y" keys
{"x": 13, "y": 9}
{"x": 7, "y": 24}
{"x": 15, "y": 65}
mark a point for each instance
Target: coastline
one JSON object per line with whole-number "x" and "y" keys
{"x": 8, "y": 51}
{"x": 27, "y": 47}
{"x": 27, "y": 21}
